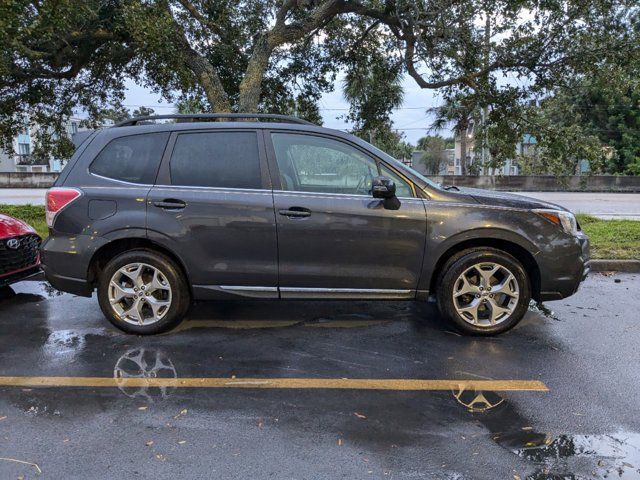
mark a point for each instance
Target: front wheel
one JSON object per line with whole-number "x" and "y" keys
{"x": 143, "y": 292}
{"x": 483, "y": 291}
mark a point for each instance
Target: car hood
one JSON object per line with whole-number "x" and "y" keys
{"x": 12, "y": 227}
{"x": 503, "y": 199}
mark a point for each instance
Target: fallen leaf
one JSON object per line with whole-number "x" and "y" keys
{"x": 527, "y": 428}
{"x": 149, "y": 443}
{"x": 516, "y": 477}
{"x": 182, "y": 442}
{"x": 359, "y": 415}
{"x": 162, "y": 458}
{"x": 182, "y": 412}
{"x": 340, "y": 442}
{"x": 3, "y": 418}
{"x": 142, "y": 408}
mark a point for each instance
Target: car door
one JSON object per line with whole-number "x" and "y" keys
{"x": 334, "y": 239}
{"x": 213, "y": 206}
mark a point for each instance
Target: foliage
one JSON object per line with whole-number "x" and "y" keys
{"x": 34, "y": 215}
{"x": 434, "y": 152}
{"x": 618, "y": 239}
{"x": 280, "y": 56}
{"x": 602, "y": 114}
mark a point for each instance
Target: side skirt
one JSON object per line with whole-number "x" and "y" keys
{"x": 206, "y": 292}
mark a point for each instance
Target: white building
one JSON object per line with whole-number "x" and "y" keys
{"x": 21, "y": 159}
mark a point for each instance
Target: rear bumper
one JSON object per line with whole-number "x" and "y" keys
{"x": 66, "y": 259}
{"x": 567, "y": 271}
{"x": 76, "y": 286}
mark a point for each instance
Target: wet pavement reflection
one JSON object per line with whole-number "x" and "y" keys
{"x": 584, "y": 427}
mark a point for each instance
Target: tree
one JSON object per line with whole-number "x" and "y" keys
{"x": 434, "y": 153}
{"x": 606, "y": 110}
{"x": 267, "y": 55}
{"x": 143, "y": 112}
{"x": 460, "y": 112}
{"x": 57, "y": 56}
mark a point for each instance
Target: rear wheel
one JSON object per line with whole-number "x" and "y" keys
{"x": 483, "y": 291}
{"x": 143, "y": 292}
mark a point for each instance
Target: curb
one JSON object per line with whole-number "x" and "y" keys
{"x": 626, "y": 266}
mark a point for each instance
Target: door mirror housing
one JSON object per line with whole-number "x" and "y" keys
{"x": 383, "y": 187}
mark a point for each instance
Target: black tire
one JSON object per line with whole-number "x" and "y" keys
{"x": 180, "y": 295}
{"x": 458, "y": 264}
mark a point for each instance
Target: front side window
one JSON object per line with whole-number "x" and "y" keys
{"x": 133, "y": 159}
{"x": 216, "y": 159}
{"x": 403, "y": 189}
{"x": 310, "y": 163}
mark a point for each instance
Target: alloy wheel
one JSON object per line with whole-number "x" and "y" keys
{"x": 140, "y": 294}
{"x": 486, "y": 294}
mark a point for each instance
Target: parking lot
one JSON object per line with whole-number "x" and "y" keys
{"x": 309, "y": 390}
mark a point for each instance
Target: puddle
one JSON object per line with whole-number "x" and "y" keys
{"x": 65, "y": 346}
{"x": 543, "y": 310}
{"x": 554, "y": 456}
{"x": 145, "y": 363}
{"x": 616, "y": 455}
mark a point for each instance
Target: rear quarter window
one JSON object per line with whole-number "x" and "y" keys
{"x": 133, "y": 158}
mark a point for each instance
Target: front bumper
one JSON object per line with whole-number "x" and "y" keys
{"x": 20, "y": 275}
{"x": 564, "y": 274}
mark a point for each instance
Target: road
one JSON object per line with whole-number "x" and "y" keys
{"x": 238, "y": 414}
{"x": 603, "y": 205}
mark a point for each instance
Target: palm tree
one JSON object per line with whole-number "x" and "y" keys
{"x": 458, "y": 111}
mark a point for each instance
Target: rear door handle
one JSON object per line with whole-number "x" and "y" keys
{"x": 170, "y": 204}
{"x": 295, "y": 212}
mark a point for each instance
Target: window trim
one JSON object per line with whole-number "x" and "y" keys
{"x": 275, "y": 171}
{"x": 163, "y": 178}
{"x": 126, "y": 182}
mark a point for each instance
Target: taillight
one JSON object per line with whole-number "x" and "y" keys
{"x": 57, "y": 199}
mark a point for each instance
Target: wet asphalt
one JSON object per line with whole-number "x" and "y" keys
{"x": 584, "y": 349}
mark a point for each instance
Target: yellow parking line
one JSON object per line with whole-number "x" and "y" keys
{"x": 279, "y": 383}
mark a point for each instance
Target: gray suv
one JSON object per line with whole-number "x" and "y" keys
{"x": 155, "y": 214}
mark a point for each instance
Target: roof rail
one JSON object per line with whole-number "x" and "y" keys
{"x": 211, "y": 116}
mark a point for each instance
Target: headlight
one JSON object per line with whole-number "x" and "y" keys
{"x": 565, "y": 220}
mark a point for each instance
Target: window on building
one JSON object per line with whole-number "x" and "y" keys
{"x": 134, "y": 158}
{"x": 24, "y": 148}
{"x": 216, "y": 159}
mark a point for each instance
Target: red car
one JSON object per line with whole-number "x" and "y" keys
{"x": 19, "y": 250}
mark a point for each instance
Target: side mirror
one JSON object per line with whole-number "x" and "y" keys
{"x": 383, "y": 187}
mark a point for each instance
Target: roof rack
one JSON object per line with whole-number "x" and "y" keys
{"x": 210, "y": 116}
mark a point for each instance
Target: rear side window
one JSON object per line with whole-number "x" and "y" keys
{"x": 132, "y": 159}
{"x": 216, "y": 159}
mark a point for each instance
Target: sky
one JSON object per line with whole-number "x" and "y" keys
{"x": 411, "y": 118}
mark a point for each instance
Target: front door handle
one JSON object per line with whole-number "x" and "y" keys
{"x": 170, "y": 204}
{"x": 295, "y": 212}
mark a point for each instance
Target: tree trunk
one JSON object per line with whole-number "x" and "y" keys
{"x": 251, "y": 85}
{"x": 210, "y": 82}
